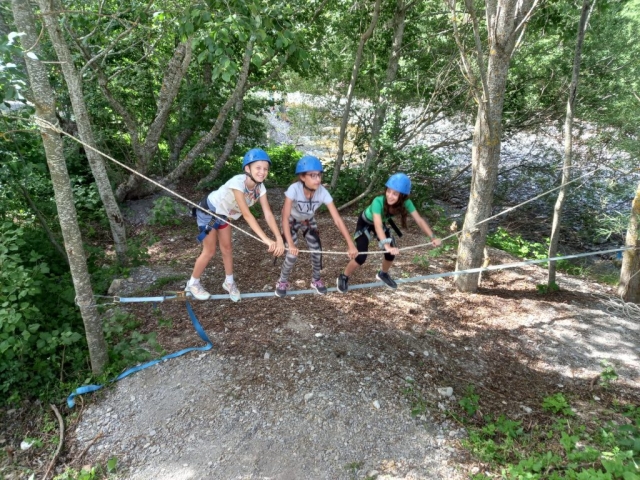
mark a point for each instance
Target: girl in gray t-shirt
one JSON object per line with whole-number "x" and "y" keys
{"x": 302, "y": 199}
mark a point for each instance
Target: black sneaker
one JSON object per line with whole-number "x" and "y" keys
{"x": 343, "y": 283}
{"x": 384, "y": 277}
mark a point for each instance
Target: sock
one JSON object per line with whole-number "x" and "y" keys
{"x": 193, "y": 281}
{"x": 229, "y": 279}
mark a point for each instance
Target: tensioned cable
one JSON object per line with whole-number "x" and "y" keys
{"x": 504, "y": 266}
{"x": 49, "y": 125}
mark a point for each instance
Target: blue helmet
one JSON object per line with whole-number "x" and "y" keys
{"x": 255, "y": 155}
{"x": 400, "y": 183}
{"x": 309, "y": 163}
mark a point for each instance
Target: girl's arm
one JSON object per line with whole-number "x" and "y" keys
{"x": 424, "y": 226}
{"x": 337, "y": 219}
{"x": 377, "y": 223}
{"x": 286, "y": 212}
{"x": 273, "y": 225}
{"x": 253, "y": 223}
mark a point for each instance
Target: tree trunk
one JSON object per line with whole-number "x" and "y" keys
{"x": 629, "y": 288}
{"x": 176, "y": 70}
{"x": 231, "y": 141}
{"x": 505, "y": 19}
{"x": 44, "y": 101}
{"x": 116, "y": 221}
{"x": 399, "y": 22}
{"x": 212, "y": 134}
{"x": 354, "y": 76}
{"x": 568, "y": 141}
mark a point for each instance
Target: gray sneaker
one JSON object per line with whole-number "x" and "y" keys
{"x": 234, "y": 293}
{"x": 281, "y": 289}
{"x": 197, "y": 291}
{"x": 386, "y": 279}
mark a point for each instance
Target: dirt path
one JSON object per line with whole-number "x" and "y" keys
{"x": 324, "y": 387}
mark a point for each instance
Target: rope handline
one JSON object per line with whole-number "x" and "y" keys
{"x": 49, "y": 125}
{"x": 473, "y": 227}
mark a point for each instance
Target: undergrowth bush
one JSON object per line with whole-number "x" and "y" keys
{"x": 39, "y": 323}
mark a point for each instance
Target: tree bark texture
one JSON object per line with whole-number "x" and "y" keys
{"x": 44, "y": 101}
{"x": 354, "y": 77}
{"x": 175, "y": 72}
{"x": 504, "y": 21}
{"x": 231, "y": 141}
{"x": 96, "y": 163}
{"x": 399, "y": 22}
{"x": 568, "y": 141}
{"x": 629, "y": 287}
{"x": 212, "y": 134}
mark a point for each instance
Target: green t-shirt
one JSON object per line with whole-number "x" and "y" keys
{"x": 377, "y": 206}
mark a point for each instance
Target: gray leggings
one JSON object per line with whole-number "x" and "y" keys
{"x": 310, "y": 233}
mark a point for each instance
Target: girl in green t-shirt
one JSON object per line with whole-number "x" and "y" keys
{"x": 372, "y": 225}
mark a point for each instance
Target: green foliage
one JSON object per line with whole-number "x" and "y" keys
{"x": 127, "y": 345}
{"x": 557, "y": 403}
{"x": 165, "y": 212}
{"x": 516, "y": 245}
{"x": 417, "y": 401}
{"x": 560, "y": 449}
{"x": 608, "y": 374}
{"x": 469, "y": 402}
{"x": 39, "y": 324}
{"x": 283, "y": 164}
{"x": 545, "y": 289}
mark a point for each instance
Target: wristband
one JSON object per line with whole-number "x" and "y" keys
{"x": 382, "y": 243}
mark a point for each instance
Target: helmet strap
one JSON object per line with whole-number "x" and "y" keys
{"x": 304, "y": 185}
{"x": 247, "y": 172}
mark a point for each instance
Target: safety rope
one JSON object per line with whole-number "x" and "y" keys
{"x": 46, "y": 124}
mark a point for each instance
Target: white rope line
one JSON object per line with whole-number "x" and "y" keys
{"x": 50, "y": 126}
{"x": 508, "y": 209}
{"x": 618, "y": 307}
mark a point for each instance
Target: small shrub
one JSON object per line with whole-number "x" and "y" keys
{"x": 557, "y": 404}
{"x": 165, "y": 212}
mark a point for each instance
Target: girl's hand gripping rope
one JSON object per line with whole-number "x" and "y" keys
{"x": 392, "y": 250}
{"x": 293, "y": 250}
{"x": 277, "y": 248}
{"x": 436, "y": 242}
{"x": 352, "y": 251}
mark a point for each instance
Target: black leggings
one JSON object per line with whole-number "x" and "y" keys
{"x": 362, "y": 242}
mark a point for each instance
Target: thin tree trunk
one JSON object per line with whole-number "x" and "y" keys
{"x": 629, "y": 287}
{"x": 354, "y": 76}
{"x": 74, "y": 85}
{"x": 399, "y": 22}
{"x": 44, "y": 101}
{"x": 212, "y": 134}
{"x": 231, "y": 141}
{"x": 174, "y": 74}
{"x": 568, "y": 141}
{"x": 505, "y": 19}
{"x": 361, "y": 196}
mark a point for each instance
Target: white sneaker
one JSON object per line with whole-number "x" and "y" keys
{"x": 234, "y": 293}
{"x": 197, "y": 291}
